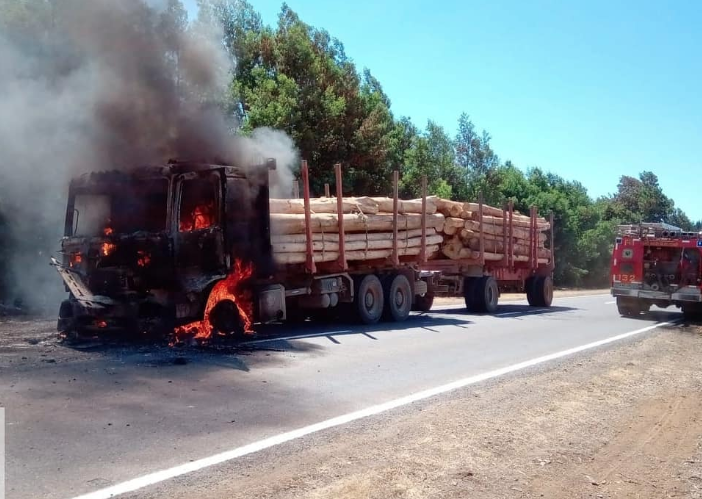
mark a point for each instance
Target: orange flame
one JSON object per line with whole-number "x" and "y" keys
{"x": 107, "y": 231}
{"x": 201, "y": 217}
{"x": 230, "y": 288}
{"x": 143, "y": 258}
{"x": 107, "y": 248}
{"x": 101, "y": 324}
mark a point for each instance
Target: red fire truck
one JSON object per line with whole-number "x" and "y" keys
{"x": 657, "y": 264}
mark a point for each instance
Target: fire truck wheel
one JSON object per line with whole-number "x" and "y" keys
{"x": 368, "y": 298}
{"x": 397, "y": 297}
{"x": 692, "y": 312}
{"x": 469, "y": 291}
{"x": 627, "y": 307}
{"x": 423, "y": 303}
{"x": 543, "y": 291}
{"x": 486, "y": 294}
{"x": 226, "y": 320}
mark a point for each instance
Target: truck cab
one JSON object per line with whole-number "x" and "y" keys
{"x": 656, "y": 264}
{"x": 143, "y": 250}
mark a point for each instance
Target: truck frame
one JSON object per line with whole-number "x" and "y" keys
{"x": 158, "y": 272}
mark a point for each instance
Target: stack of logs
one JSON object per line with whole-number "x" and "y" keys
{"x": 462, "y": 229}
{"x": 452, "y": 230}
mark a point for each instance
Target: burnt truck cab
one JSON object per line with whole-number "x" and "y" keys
{"x": 142, "y": 250}
{"x": 657, "y": 264}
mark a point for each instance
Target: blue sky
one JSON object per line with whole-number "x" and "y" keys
{"x": 589, "y": 90}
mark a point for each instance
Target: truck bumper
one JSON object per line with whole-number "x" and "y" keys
{"x": 687, "y": 294}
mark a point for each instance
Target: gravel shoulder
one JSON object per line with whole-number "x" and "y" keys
{"x": 625, "y": 422}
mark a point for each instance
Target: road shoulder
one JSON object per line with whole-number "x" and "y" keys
{"x": 621, "y": 422}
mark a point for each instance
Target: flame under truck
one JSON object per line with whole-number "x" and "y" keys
{"x": 657, "y": 264}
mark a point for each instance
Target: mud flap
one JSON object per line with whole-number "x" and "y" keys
{"x": 79, "y": 290}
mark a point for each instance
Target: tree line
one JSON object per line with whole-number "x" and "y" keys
{"x": 298, "y": 78}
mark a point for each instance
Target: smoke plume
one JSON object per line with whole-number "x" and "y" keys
{"x": 99, "y": 85}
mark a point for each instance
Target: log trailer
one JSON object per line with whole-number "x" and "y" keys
{"x": 162, "y": 247}
{"x": 656, "y": 264}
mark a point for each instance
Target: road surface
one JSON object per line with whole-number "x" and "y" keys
{"x": 80, "y": 420}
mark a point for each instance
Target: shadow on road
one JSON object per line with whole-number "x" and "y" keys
{"x": 506, "y": 311}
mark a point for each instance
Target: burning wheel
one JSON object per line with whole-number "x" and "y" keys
{"x": 226, "y": 320}
{"x": 398, "y": 298}
{"x": 369, "y": 298}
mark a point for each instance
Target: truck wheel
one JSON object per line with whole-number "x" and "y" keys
{"x": 368, "y": 299}
{"x": 397, "y": 298}
{"x": 627, "y": 307}
{"x": 692, "y": 312}
{"x": 469, "y": 287}
{"x": 542, "y": 290}
{"x": 486, "y": 294}
{"x": 423, "y": 303}
{"x": 226, "y": 320}
{"x": 529, "y": 288}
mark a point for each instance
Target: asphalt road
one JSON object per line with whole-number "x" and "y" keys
{"x": 83, "y": 419}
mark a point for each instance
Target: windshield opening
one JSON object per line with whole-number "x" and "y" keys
{"x": 135, "y": 206}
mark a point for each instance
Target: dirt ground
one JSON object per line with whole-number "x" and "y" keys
{"x": 619, "y": 423}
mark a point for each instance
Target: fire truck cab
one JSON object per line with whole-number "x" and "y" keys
{"x": 657, "y": 264}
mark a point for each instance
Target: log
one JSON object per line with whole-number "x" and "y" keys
{"x": 292, "y": 258}
{"x": 469, "y": 235}
{"x": 385, "y": 205}
{"x": 452, "y": 225}
{"x": 474, "y": 208}
{"x": 286, "y": 223}
{"x": 449, "y": 208}
{"x": 334, "y": 237}
{"x": 384, "y": 243}
{"x": 519, "y": 232}
{"x": 520, "y": 221}
{"x": 498, "y": 247}
{"x": 323, "y": 205}
{"x": 454, "y": 249}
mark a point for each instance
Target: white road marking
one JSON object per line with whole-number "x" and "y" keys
{"x": 199, "y": 464}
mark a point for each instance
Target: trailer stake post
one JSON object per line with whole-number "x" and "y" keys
{"x": 511, "y": 235}
{"x": 395, "y": 203}
{"x": 505, "y": 257}
{"x": 552, "y": 266}
{"x": 423, "y": 253}
{"x": 326, "y": 191}
{"x": 482, "y": 234}
{"x": 340, "y": 216}
{"x": 310, "y": 266}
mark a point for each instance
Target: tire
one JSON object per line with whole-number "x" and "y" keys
{"x": 226, "y": 320}
{"x": 368, "y": 299}
{"x": 423, "y": 303}
{"x": 397, "y": 295}
{"x": 627, "y": 307}
{"x": 542, "y": 291}
{"x": 469, "y": 286}
{"x": 486, "y": 294}
{"x": 529, "y": 288}
{"x": 692, "y": 312}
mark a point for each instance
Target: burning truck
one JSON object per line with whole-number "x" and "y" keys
{"x": 201, "y": 249}
{"x": 152, "y": 250}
